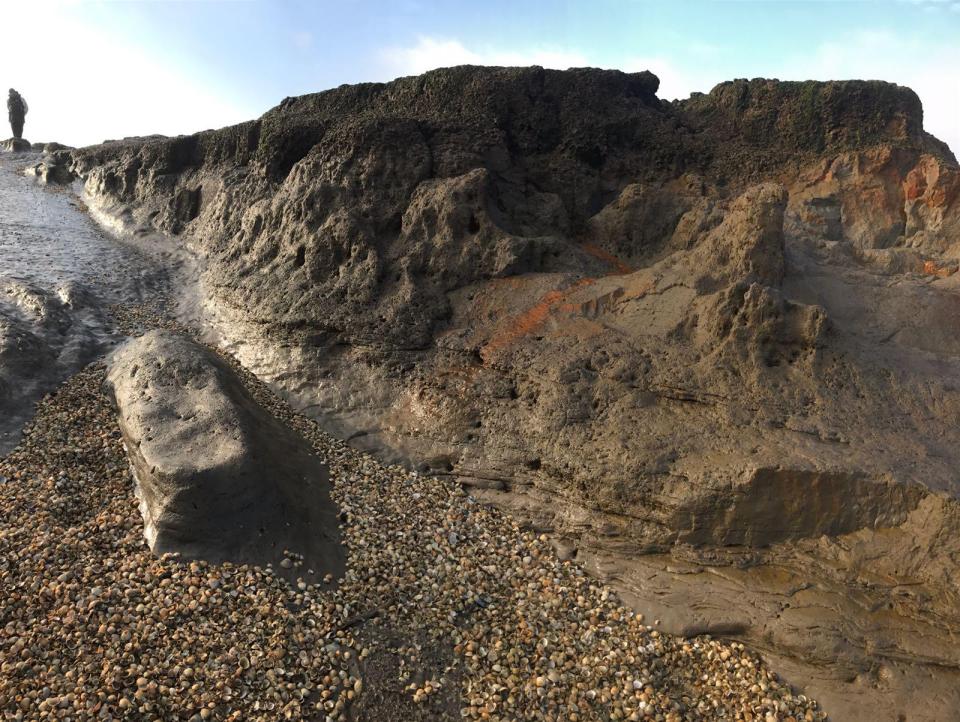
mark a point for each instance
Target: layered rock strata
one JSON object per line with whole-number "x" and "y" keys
{"x": 714, "y": 337}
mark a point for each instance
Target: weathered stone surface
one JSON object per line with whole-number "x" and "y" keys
{"x": 53, "y": 168}
{"x": 16, "y": 145}
{"x": 720, "y": 331}
{"x": 53, "y": 147}
{"x": 218, "y": 477}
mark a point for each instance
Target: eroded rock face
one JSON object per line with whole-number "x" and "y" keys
{"x": 218, "y": 477}
{"x": 53, "y": 168}
{"x": 16, "y": 145}
{"x": 718, "y": 334}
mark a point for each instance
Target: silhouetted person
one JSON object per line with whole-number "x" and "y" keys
{"x": 17, "y": 108}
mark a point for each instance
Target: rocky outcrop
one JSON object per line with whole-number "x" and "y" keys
{"x": 218, "y": 477}
{"x": 16, "y": 145}
{"x": 719, "y": 332}
{"x": 53, "y": 168}
{"x": 880, "y": 199}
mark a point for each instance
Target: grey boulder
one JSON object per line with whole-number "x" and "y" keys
{"x": 16, "y": 145}
{"x": 218, "y": 477}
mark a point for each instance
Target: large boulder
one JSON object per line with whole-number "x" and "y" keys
{"x": 16, "y": 145}
{"x": 218, "y": 477}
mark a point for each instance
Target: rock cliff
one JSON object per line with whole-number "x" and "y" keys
{"x": 710, "y": 344}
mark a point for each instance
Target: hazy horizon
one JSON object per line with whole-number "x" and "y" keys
{"x": 159, "y": 67}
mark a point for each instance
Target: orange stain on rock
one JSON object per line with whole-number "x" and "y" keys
{"x": 530, "y": 320}
{"x": 554, "y": 301}
{"x": 932, "y": 269}
{"x": 607, "y": 257}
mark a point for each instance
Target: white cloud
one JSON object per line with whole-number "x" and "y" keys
{"x": 84, "y": 85}
{"x": 429, "y": 53}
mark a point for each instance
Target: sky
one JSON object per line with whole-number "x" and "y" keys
{"x": 97, "y": 69}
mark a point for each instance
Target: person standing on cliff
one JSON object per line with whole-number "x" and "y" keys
{"x": 17, "y": 109}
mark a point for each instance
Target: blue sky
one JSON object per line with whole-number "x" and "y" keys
{"x": 97, "y": 69}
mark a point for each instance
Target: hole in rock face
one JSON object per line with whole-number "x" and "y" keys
{"x": 474, "y": 225}
{"x": 301, "y": 257}
{"x": 396, "y": 223}
{"x": 533, "y": 464}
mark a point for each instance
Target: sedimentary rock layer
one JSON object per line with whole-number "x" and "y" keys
{"x": 719, "y": 332}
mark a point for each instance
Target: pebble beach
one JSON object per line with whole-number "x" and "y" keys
{"x": 448, "y": 609}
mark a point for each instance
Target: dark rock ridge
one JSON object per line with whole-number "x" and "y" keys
{"x": 710, "y": 344}
{"x": 16, "y": 145}
{"x": 218, "y": 477}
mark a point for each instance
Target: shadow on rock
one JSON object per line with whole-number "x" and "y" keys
{"x": 218, "y": 477}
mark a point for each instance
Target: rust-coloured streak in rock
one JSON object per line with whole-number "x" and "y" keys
{"x": 607, "y": 257}
{"x": 530, "y": 320}
{"x": 534, "y": 317}
{"x": 915, "y": 185}
{"x": 932, "y": 269}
